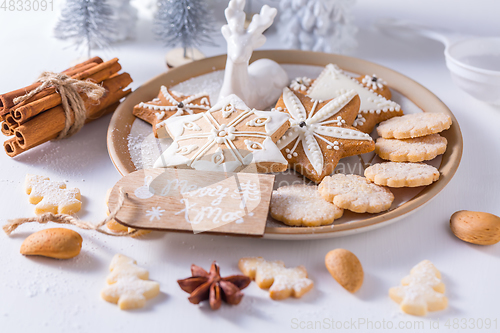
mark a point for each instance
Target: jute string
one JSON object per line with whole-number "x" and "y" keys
{"x": 68, "y": 219}
{"x": 72, "y": 102}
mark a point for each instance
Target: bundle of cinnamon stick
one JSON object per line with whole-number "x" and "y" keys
{"x": 41, "y": 118}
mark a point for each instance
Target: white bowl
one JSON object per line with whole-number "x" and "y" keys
{"x": 474, "y": 65}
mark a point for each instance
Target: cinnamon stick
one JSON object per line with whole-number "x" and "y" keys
{"x": 8, "y": 125}
{"x": 7, "y": 99}
{"x": 47, "y": 125}
{"x": 49, "y": 98}
{"x": 6, "y": 129}
{"x": 12, "y": 147}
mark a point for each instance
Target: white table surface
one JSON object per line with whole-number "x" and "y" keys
{"x": 45, "y": 295}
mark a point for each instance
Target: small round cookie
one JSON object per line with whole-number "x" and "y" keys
{"x": 302, "y": 205}
{"x": 355, "y": 193}
{"x": 394, "y": 174}
{"x": 414, "y": 125}
{"x": 411, "y": 150}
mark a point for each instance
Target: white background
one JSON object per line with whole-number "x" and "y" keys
{"x": 44, "y": 295}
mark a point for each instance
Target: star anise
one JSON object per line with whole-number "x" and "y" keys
{"x": 203, "y": 285}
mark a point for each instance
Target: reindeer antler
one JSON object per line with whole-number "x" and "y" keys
{"x": 235, "y": 17}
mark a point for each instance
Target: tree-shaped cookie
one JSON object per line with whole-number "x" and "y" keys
{"x": 421, "y": 291}
{"x": 128, "y": 284}
{"x": 228, "y": 137}
{"x": 170, "y": 104}
{"x": 320, "y": 135}
{"x": 374, "y": 108}
{"x": 282, "y": 282}
{"x": 51, "y": 196}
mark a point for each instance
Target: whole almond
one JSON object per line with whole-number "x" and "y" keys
{"x": 476, "y": 227}
{"x": 59, "y": 243}
{"x": 345, "y": 268}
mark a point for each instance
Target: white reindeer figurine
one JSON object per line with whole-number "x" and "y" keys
{"x": 260, "y": 84}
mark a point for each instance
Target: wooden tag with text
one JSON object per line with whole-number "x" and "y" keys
{"x": 195, "y": 201}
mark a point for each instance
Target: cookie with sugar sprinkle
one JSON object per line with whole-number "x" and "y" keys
{"x": 282, "y": 282}
{"x": 395, "y": 174}
{"x": 355, "y": 193}
{"x": 52, "y": 196}
{"x": 421, "y": 291}
{"x": 302, "y": 205}
{"x": 414, "y": 125}
{"x": 128, "y": 284}
{"x": 419, "y": 149}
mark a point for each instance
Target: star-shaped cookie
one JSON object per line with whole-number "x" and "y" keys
{"x": 319, "y": 134}
{"x": 170, "y": 104}
{"x": 228, "y": 137}
{"x": 373, "y": 92}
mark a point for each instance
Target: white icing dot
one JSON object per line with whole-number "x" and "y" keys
{"x": 287, "y": 150}
{"x": 328, "y": 147}
{"x": 289, "y": 156}
{"x": 336, "y": 148}
{"x": 295, "y": 154}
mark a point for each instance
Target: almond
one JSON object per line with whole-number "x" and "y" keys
{"x": 59, "y": 243}
{"x": 476, "y": 227}
{"x": 345, "y": 268}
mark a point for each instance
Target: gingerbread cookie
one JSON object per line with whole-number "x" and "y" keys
{"x": 411, "y": 150}
{"x": 421, "y": 291}
{"x": 128, "y": 284}
{"x": 170, "y": 104}
{"x": 394, "y": 174}
{"x": 302, "y": 205}
{"x": 228, "y": 137}
{"x": 414, "y": 125}
{"x": 51, "y": 196}
{"x": 355, "y": 193}
{"x": 320, "y": 135}
{"x": 282, "y": 282}
{"x": 374, "y": 107}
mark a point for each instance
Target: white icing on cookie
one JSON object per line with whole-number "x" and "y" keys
{"x": 300, "y": 84}
{"x": 308, "y": 129}
{"x": 193, "y": 127}
{"x": 185, "y": 106}
{"x": 333, "y": 82}
{"x": 373, "y": 82}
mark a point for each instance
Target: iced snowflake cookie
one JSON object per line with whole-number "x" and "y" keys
{"x": 302, "y": 205}
{"x": 128, "y": 284}
{"x": 319, "y": 134}
{"x": 414, "y": 125}
{"x": 373, "y": 93}
{"x": 170, "y": 104}
{"x": 282, "y": 282}
{"x": 420, "y": 149}
{"x": 355, "y": 193}
{"x": 228, "y": 137}
{"x": 394, "y": 174}
{"x": 421, "y": 291}
{"x": 51, "y": 196}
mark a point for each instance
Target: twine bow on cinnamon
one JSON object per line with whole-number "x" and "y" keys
{"x": 68, "y": 219}
{"x": 72, "y": 102}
